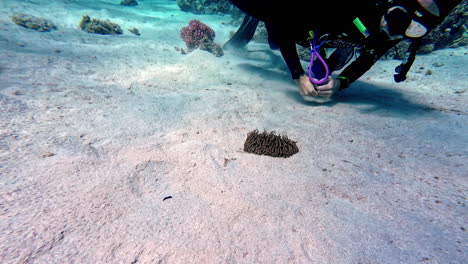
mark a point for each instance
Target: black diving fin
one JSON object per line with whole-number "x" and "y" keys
{"x": 244, "y": 34}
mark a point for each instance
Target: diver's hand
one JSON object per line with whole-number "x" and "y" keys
{"x": 329, "y": 89}
{"x": 306, "y": 88}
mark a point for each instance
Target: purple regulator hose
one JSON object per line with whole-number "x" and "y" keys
{"x": 312, "y": 58}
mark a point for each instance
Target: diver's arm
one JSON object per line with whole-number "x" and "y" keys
{"x": 350, "y": 74}
{"x": 361, "y": 65}
{"x": 353, "y": 72}
{"x": 289, "y": 53}
{"x": 357, "y": 68}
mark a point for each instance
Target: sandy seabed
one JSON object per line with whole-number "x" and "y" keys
{"x": 118, "y": 149}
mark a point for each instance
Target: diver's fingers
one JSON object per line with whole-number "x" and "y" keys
{"x": 327, "y": 86}
{"x": 309, "y": 90}
{"x": 325, "y": 92}
{"x": 322, "y": 89}
{"x": 310, "y": 94}
{"x": 326, "y": 95}
{"x": 313, "y": 93}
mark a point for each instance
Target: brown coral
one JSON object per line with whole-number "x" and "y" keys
{"x": 97, "y": 26}
{"x": 129, "y": 3}
{"x": 34, "y": 23}
{"x": 211, "y": 47}
{"x": 134, "y": 31}
{"x": 270, "y": 144}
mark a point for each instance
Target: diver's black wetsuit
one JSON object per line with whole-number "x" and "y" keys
{"x": 288, "y": 23}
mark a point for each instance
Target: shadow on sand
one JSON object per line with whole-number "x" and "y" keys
{"x": 270, "y": 66}
{"x": 374, "y": 99}
{"x": 368, "y": 98}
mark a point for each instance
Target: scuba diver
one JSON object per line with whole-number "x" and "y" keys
{"x": 368, "y": 28}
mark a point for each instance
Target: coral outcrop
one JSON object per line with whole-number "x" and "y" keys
{"x": 451, "y": 33}
{"x": 97, "y": 26}
{"x": 208, "y": 7}
{"x": 134, "y": 31}
{"x": 199, "y": 35}
{"x": 129, "y": 3}
{"x": 34, "y": 23}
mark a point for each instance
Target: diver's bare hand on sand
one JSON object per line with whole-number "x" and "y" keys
{"x": 329, "y": 89}
{"x": 306, "y": 88}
